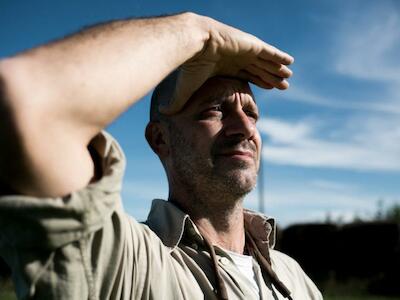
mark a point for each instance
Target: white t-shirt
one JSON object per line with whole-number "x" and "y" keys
{"x": 245, "y": 265}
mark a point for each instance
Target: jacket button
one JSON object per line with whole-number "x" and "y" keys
{"x": 224, "y": 261}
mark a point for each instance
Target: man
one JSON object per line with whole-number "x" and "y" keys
{"x": 64, "y": 232}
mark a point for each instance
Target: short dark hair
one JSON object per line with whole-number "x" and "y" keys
{"x": 162, "y": 95}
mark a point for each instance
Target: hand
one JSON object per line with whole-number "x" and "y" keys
{"x": 230, "y": 52}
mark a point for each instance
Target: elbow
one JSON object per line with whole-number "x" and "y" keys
{"x": 15, "y": 126}
{"x": 8, "y": 108}
{"x": 35, "y": 158}
{"x": 14, "y": 84}
{"x": 11, "y": 162}
{"x": 21, "y": 107}
{"x": 4, "y": 97}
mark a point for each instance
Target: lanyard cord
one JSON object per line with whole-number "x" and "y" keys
{"x": 266, "y": 266}
{"x": 221, "y": 291}
{"x": 221, "y": 288}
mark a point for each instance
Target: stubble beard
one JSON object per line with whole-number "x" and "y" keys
{"x": 211, "y": 183}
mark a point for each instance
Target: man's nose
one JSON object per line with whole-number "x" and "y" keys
{"x": 240, "y": 124}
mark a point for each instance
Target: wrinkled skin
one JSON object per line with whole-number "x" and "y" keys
{"x": 214, "y": 146}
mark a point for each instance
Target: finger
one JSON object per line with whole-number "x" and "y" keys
{"x": 274, "y": 68}
{"x": 273, "y": 54}
{"x": 267, "y": 77}
{"x": 254, "y": 79}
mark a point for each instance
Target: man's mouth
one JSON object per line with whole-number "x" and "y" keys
{"x": 238, "y": 154}
{"x": 235, "y": 150}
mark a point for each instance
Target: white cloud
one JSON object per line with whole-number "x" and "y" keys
{"x": 310, "y": 201}
{"x": 364, "y": 45}
{"x": 367, "y": 143}
{"x": 137, "y": 196}
{"x": 369, "y": 44}
{"x": 386, "y": 104}
{"x": 148, "y": 190}
{"x": 300, "y": 202}
{"x": 284, "y": 132}
{"x": 329, "y": 185}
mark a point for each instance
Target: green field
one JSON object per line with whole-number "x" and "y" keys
{"x": 341, "y": 297}
{"x": 6, "y": 293}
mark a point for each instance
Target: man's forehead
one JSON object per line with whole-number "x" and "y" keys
{"x": 216, "y": 89}
{"x": 219, "y": 89}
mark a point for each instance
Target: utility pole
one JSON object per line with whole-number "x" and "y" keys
{"x": 261, "y": 186}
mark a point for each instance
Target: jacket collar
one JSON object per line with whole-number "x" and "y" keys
{"x": 170, "y": 223}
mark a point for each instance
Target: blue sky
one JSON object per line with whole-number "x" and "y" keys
{"x": 331, "y": 142}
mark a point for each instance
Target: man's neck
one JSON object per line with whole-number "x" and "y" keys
{"x": 230, "y": 236}
{"x": 222, "y": 223}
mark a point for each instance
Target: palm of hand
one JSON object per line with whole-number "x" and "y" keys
{"x": 231, "y": 52}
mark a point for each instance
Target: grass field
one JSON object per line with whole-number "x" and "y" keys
{"x": 6, "y": 293}
{"x": 366, "y": 297}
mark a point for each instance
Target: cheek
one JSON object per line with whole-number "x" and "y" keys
{"x": 198, "y": 142}
{"x": 206, "y": 133}
{"x": 257, "y": 138}
{"x": 203, "y": 144}
{"x": 258, "y": 143}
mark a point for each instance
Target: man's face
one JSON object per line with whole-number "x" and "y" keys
{"x": 214, "y": 143}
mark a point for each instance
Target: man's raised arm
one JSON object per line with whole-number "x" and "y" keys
{"x": 55, "y": 98}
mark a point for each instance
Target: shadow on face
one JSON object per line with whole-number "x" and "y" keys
{"x": 212, "y": 143}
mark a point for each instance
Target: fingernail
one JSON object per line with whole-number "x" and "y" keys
{"x": 290, "y": 59}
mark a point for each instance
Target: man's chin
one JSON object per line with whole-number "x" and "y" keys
{"x": 240, "y": 181}
{"x": 239, "y": 170}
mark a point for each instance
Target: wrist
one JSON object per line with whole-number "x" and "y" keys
{"x": 199, "y": 30}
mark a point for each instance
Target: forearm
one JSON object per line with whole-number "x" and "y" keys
{"x": 56, "y": 97}
{"x": 88, "y": 79}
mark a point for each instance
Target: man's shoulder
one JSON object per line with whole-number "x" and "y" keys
{"x": 283, "y": 263}
{"x": 282, "y": 258}
{"x": 292, "y": 274}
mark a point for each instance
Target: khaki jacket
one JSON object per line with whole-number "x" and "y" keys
{"x": 85, "y": 247}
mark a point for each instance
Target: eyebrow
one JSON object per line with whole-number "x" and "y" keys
{"x": 213, "y": 100}
{"x": 219, "y": 99}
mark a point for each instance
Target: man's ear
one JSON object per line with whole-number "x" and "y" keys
{"x": 157, "y": 138}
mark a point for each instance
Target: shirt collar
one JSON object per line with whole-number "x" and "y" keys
{"x": 169, "y": 223}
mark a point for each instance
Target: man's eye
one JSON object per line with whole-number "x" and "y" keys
{"x": 215, "y": 108}
{"x": 252, "y": 114}
{"x": 212, "y": 112}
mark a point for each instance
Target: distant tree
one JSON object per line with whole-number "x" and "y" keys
{"x": 380, "y": 213}
{"x": 392, "y": 213}
{"x": 328, "y": 218}
{"x": 357, "y": 218}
